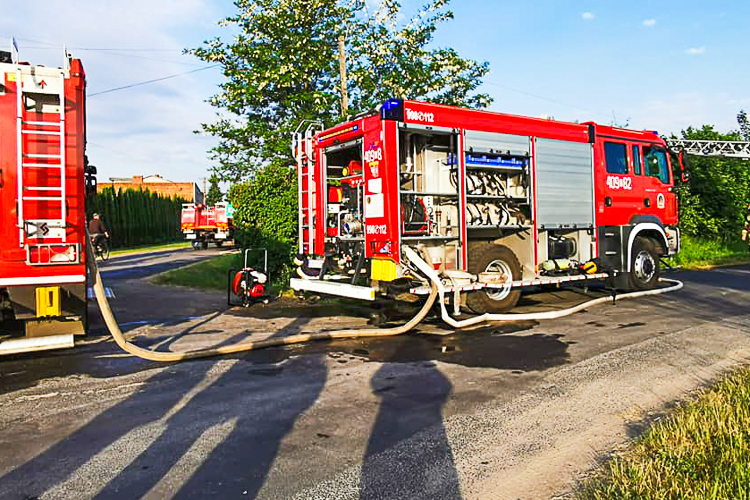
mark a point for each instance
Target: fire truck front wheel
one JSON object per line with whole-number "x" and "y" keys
{"x": 644, "y": 265}
{"x": 486, "y": 257}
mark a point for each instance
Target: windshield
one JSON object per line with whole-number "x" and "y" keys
{"x": 655, "y": 160}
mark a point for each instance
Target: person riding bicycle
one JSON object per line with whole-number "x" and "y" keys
{"x": 97, "y": 230}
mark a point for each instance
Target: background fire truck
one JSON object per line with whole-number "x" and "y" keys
{"x": 203, "y": 225}
{"x": 42, "y": 202}
{"x": 490, "y": 202}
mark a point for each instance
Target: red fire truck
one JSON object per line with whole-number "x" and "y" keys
{"x": 492, "y": 202}
{"x": 203, "y": 225}
{"x": 42, "y": 202}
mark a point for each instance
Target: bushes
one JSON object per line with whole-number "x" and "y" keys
{"x": 713, "y": 204}
{"x": 137, "y": 217}
{"x": 266, "y": 216}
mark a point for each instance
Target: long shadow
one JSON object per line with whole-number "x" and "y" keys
{"x": 58, "y": 462}
{"x": 260, "y": 406}
{"x": 410, "y": 408}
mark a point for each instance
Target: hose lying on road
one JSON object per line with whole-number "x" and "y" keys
{"x": 114, "y": 328}
{"x": 437, "y": 289}
{"x": 428, "y": 270}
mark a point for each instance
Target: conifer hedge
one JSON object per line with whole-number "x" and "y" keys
{"x": 137, "y": 217}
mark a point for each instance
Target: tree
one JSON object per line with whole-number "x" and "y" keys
{"x": 744, "y": 125}
{"x": 282, "y": 68}
{"x": 713, "y": 203}
{"x": 214, "y": 194}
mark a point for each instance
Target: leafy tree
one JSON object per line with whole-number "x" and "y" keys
{"x": 744, "y": 125}
{"x": 713, "y": 203}
{"x": 214, "y": 194}
{"x": 282, "y": 68}
{"x": 266, "y": 215}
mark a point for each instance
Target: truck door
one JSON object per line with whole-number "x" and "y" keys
{"x": 661, "y": 201}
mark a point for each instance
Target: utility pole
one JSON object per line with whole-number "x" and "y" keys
{"x": 342, "y": 70}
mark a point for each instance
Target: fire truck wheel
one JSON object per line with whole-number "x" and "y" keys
{"x": 204, "y": 245}
{"x": 196, "y": 245}
{"x": 486, "y": 257}
{"x": 644, "y": 265}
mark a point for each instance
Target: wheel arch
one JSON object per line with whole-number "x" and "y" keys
{"x": 650, "y": 230}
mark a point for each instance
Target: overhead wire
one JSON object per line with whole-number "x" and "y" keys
{"x": 152, "y": 81}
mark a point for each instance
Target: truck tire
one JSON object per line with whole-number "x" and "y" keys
{"x": 196, "y": 245}
{"x": 487, "y": 257}
{"x": 204, "y": 245}
{"x": 644, "y": 265}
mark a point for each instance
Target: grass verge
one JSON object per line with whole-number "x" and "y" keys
{"x": 150, "y": 248}
{"x": 702, "y": 451}
{"x": 207, "y": 274}
{"x": 701, "y": 254}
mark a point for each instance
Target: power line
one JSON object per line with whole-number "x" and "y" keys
{"x": 152, "y": 81}
{"x": 536, "y": 96}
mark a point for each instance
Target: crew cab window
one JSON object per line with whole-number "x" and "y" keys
{"x": 616, "y": 156}
{"x": 636, "y": 159}
{"x": 655, "y": 160}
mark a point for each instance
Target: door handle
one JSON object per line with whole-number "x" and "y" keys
{"x": 607, "y": 201}
{"x": 647, "y": 202}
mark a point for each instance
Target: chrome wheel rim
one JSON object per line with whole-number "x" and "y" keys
{"x": 499, "y": 266}
{"x": 645, "y": 266}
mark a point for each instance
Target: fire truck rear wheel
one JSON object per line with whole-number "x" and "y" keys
{"x": 486, "y": 257}
{"x": 644, "y": 265}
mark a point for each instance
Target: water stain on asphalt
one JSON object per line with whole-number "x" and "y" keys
{"x": 486, "y": 347}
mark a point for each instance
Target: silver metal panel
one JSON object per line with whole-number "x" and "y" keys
{"x": 488, "y": 142}
{"x": 333, "y": 288}
{"x": 564, "y": 183}
{"x": 29, "y": 344}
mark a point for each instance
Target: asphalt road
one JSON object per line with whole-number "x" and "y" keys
{"x": 517, "y": 410}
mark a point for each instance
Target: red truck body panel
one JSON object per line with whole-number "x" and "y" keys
{"x": 625, "y": 193}
{"x": 16, "y": 245}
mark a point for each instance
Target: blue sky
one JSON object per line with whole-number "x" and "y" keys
{"x": 655, "y": 65}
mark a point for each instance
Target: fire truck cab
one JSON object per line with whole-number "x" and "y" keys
{"x": 492, "y": 202}
{"x": 42, "y": 204}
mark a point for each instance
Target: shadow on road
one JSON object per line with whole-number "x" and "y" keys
{"x": 411, "y": 404}
{"x": 233, "y": 425}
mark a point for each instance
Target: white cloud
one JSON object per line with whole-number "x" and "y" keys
{"x": 588, "y": 16}
{"x": 695, "y": 51}
{"x": 144, "y": 129}
{"x": 649, "y": 23}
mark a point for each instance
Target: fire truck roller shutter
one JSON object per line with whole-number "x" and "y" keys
{"x": 489, "y": 257}
{"x": 564, "y": 183}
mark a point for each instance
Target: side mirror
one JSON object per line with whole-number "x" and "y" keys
{"x": 684, "y": 166}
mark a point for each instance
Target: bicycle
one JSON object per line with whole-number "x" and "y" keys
{"x": 101, "y": 247}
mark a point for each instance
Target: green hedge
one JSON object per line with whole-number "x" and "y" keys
{"x": 265, "y": 216}
{"x": 136, "y": 218}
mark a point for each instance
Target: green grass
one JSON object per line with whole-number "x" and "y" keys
{"x": 701, "y": 254}
{"x": 207, "y": 274}
{"x": 702, "y": 451}
{"x": 150, "y": 248}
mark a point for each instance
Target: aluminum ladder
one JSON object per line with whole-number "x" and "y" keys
{"x": 41, "y": 90}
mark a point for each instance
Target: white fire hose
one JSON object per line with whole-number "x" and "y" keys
{"x": 415, "y": 259}
{"x": 437, "y": 290}
{"x": 114, "y": 328}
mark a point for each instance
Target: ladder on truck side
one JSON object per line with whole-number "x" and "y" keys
{"x": 304, "y": 155}
{"x": 39, "y": 92}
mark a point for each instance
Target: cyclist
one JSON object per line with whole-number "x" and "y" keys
{"x": 97, "y": 231}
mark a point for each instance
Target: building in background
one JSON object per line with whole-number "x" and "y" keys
{"x": 156, "y": 184}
